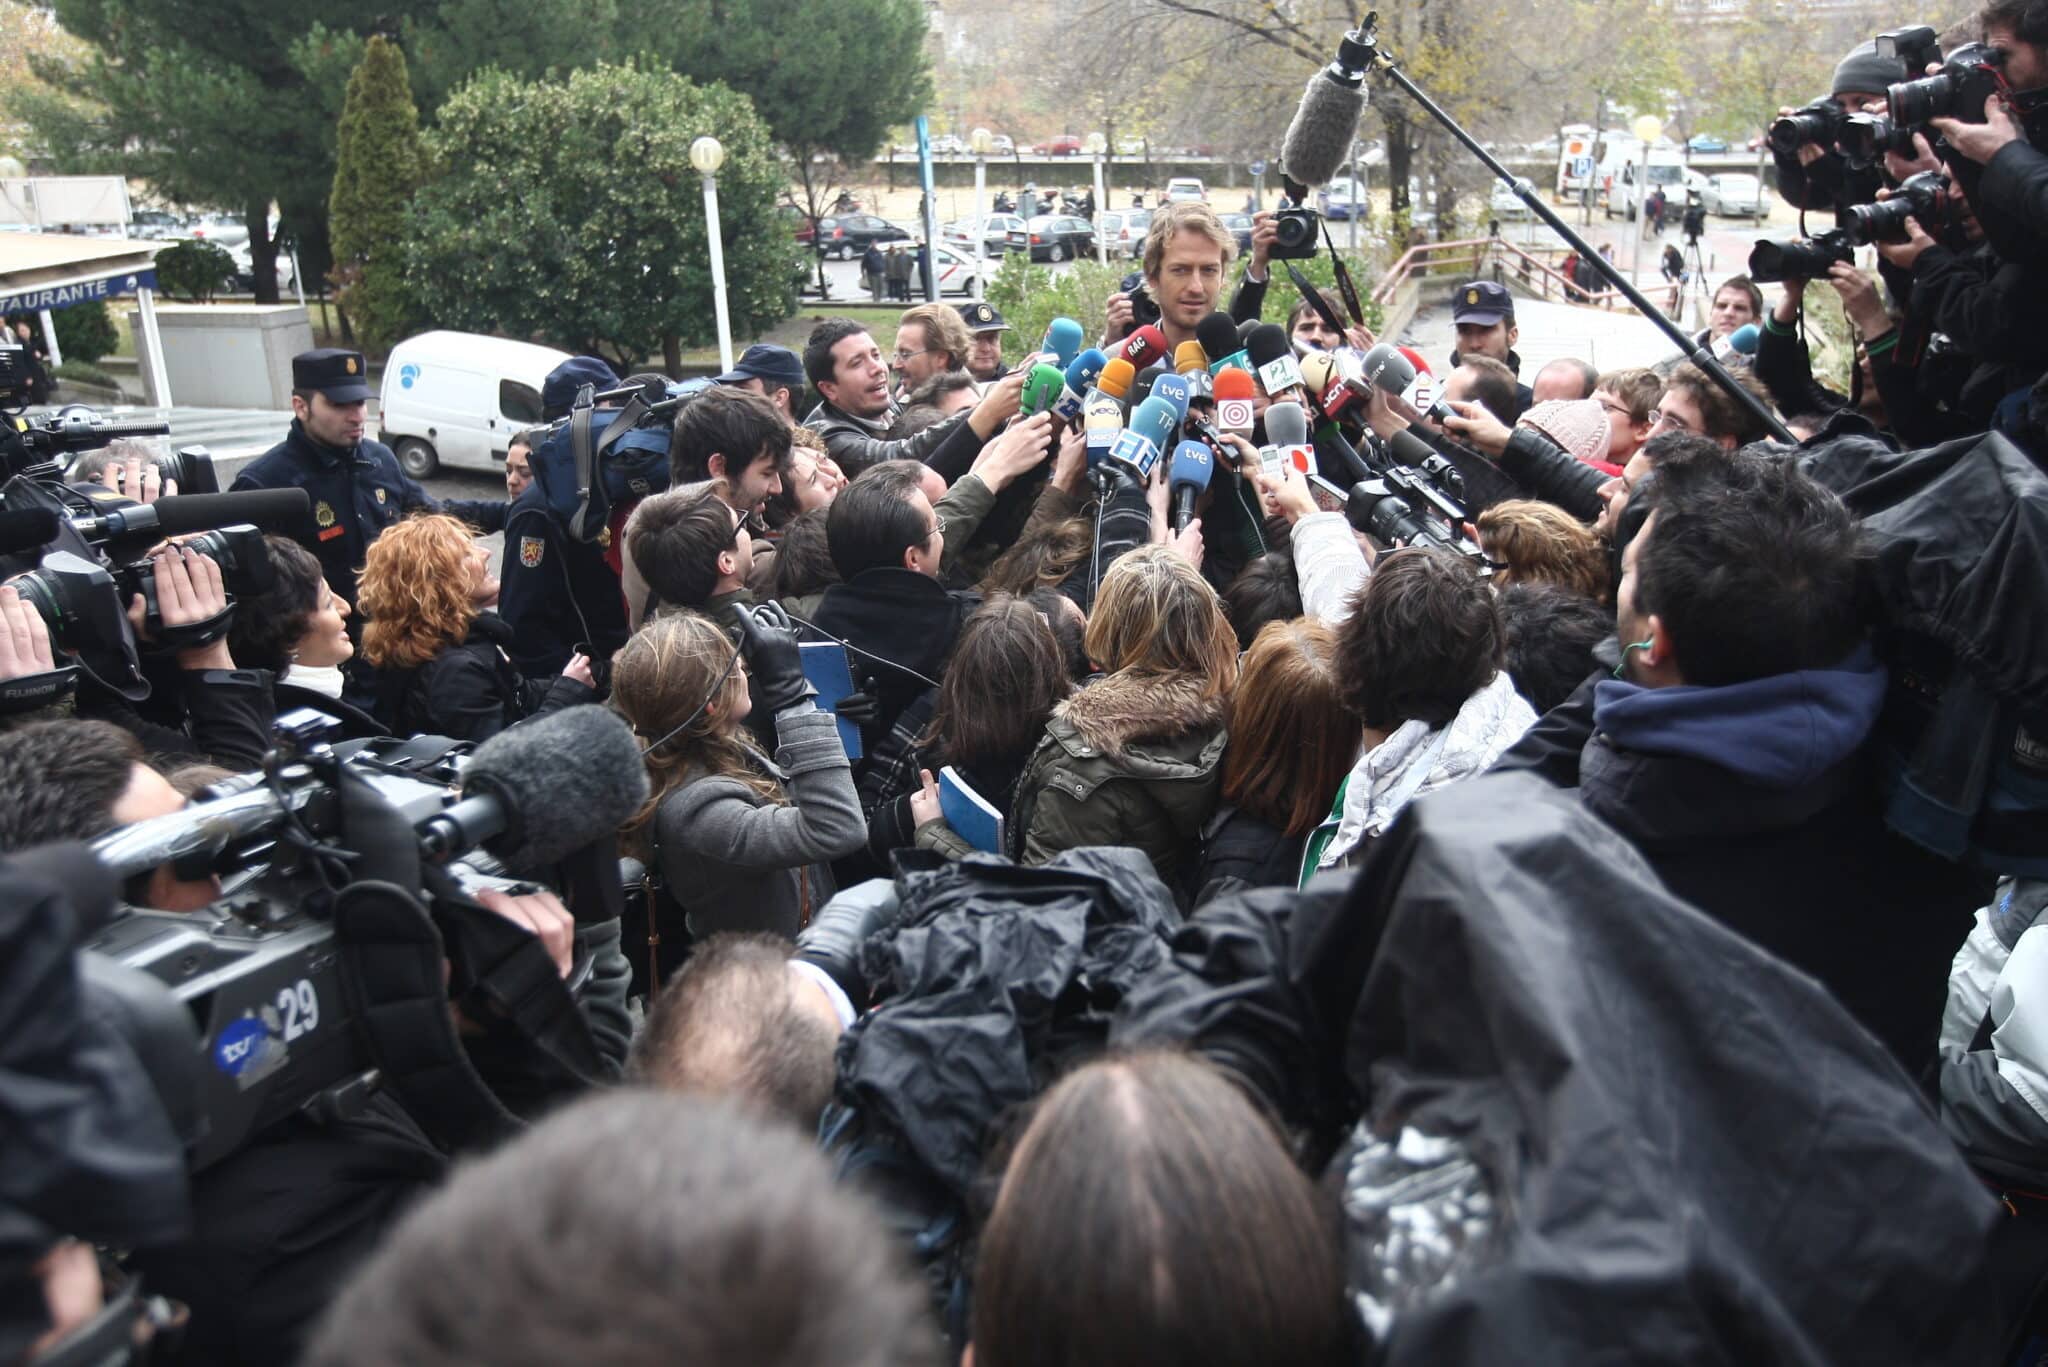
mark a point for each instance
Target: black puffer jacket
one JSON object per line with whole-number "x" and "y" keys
{"x": 470, "y": 691}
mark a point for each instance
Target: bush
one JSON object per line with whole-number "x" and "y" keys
{"x": 86, "y": 332}
{"x": 78, "y": 372}
{"x": 193, "y": 271}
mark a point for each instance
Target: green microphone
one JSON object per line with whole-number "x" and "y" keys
{"x": 1042, "y": 389}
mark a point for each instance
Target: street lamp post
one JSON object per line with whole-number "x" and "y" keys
{"x": 707, "y": 154}
{"x": 1097, "y": 147}
{"x": 981, "y": 142}
{"x": 1647, "y": 129}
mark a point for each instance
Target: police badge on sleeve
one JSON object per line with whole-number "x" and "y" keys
{"x": 531, "y": 549}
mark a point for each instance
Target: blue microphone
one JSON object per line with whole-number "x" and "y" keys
{"x": 1081, "y": 375}
{"x": 1063, "y": 340}
{"x": 1176, "y": 390}
{"x": 1192, "y": 466}
{"x": 1139, "y": 446}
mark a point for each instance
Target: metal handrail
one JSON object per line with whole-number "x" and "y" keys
{"x": 1527, "y": 266}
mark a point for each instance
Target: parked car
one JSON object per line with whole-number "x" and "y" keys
{"x": 1503, "y": 202}
{"x": 995, "y": 233}
{"x": 1185, "y": 188}
{"x": 848, "y": 235}
{"x": 801, "y": 224}
{"x": 1054, "y": 237}
{"x": 1130, "y": 147}
{"x": 1002, "y": 145}
{"x": 155, "y": 224}
{"x": 1735, "y": 194}
{"x": 245, "y": 267}
{"x": 457, "y": 398}
{"x": 1124, "y": 230}
{"x": 225, "y": 229}
{"x": 1065, "y": 145}
{"x": 1240, "y": 226}
{"x": 1708, "y": 143}
{"x": 948, "y": 145}
{"x": 1340, "y": 197}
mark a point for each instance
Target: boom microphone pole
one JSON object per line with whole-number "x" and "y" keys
{"x": 1367, "y": 37}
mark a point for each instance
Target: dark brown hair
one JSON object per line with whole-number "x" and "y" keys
{"x": 1424, "y": 636}
{"x": 1150, "y": 1214}
{"x": 1292, "y": 740}
{"x": 1043, "y": 559}
{"x": 268, "y": 624}
{"x": 59, "y": 780}
{"x": 1001, "y": 684}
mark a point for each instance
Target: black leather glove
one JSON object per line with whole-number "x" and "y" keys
{"x": 833, "y": 939}
{"x": 769, "y": 643}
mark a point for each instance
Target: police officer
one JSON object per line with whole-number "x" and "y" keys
{"x": 985, "y": 362}
{"x": 354, "y": 483}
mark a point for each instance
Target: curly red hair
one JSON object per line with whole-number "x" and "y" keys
{"x": 414, "y": 591}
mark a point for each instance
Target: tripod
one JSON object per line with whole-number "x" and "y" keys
{"x": 1696, "y": 272}
{"x": 1366, "y": 36}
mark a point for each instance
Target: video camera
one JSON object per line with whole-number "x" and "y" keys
{"x": 1421, "y": 505}
{"x": 282, "y": 997}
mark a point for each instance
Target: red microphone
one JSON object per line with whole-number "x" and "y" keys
{"x": 1143, "y": 347}
{"x": 1234, "y": 411}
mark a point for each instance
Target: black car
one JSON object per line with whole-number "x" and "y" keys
{"x": 848, "y": 235}
{"x": 1054, "y": 237}
{"x": 1241, "y": 226}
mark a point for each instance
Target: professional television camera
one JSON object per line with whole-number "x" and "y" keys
{"x": 1694, "y": 221}
{"x": 317, "y": 975}
{"x": 1414, "y": 505}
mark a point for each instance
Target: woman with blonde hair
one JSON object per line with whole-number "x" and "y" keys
{"x": 738, "y": 841}
{"x": 1532, "y": 542}
{"x": 426, "y": 590}
{"x": 1292, "y": 740}
{"x": 1136, "y": 758}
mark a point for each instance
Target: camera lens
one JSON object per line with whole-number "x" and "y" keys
{"x": 1868, "y": 223}
{"x": 1771, "y": 263}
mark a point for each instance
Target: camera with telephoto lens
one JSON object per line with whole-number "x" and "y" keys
{"x": 1296, "y": 232}
{"x": 1866, "y": 138}
{"x": 241, "y": 553}
{"x": 1807, "y": 258}
{"x": 1972, "y": 74}
{"x": 1918, "y": 197}
{"x": 1819, "y": 122}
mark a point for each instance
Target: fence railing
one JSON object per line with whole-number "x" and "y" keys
{"x": 1538, "y": 272}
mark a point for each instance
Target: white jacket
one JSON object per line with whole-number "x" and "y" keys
{"x": 1329, "y": 565}
{"x": 1385, "y": 778}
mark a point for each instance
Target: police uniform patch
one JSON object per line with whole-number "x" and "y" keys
{"x": 531, "y": 549}
{"x": 1471, "y": 296}
{"x": 380, "y": 495}
{"x": 323, "y": 514}
{"x": 349, "y": 365}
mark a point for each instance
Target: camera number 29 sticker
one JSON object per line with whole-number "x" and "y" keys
{"x": 258, "y": 1043}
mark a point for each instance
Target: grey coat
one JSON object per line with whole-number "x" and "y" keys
{"x": 734, "y": 861}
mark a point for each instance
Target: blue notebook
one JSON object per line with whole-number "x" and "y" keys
{"x": 973, "y": 817}
{"x": 826, "y": 667}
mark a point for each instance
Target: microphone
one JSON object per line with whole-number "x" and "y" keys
{"x": 26, "y": 529}
{"x": 1143, "y": 347}
{"x": 1318, "y": 141}
{"x": 1389, "y": 370}
{"x": 1081, "y": 373}
{"x": 537, "y": 793}
{"x": 1190, "y": 357}
{"x": 1287, "y": 439}
{"x": 1062, "y": 339}
{"x": 1102, "y": 420}
{"x": 1272, "y": 359}
{"x": 1744, "y": 339}
{"x": 1138, "y": 447}
{"x": 286, "y": 511}
{"x": 1218, "y": 336}
{"x": 1326, "y": 388}
{"x": 1234, "y": 409}
{"x": 1192, "y": 466}
{"x": 1116, "y": 379}
{"x": 1176, "y": 390}
{"x": 1041, "y": 389}
{"x": 1141, "y": 388}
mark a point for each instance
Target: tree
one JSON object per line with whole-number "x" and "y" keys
{"x": 377, "y": 168}
{"x": 568, "y": 211}
{"x": 193, "y": 270}
{"x": 829, "y": 80}
{"x": 85, "y": 332}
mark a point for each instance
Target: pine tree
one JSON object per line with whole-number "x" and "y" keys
{"x": 377, "y": 168}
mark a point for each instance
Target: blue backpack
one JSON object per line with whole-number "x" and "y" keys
{"x": 598, "y": 458}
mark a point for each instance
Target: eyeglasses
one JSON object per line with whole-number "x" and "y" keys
{"x": 1666, "y": 418}
{"x": 901, "y": 355}
{"x": 1616, "y": 409}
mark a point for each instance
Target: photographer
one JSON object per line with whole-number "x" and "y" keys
{"x": 2011, "y": 192}
{"x": 1812, "y": 174}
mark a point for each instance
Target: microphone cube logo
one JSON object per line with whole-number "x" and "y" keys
{"x": 1234, "y": 415}
{"x": 1278, "y": 374}
{"x": 1136, "y": 450}
{"x": 1420, "y": 393}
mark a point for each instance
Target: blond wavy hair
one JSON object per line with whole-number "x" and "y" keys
{"x": 662, "y": 676}
{"x": 413, "y": 588}
{"x": 1156, "y": 615}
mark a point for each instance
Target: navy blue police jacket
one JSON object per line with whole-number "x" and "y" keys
{"x": 355, "y": 495}
{"x": 555, "y": 592}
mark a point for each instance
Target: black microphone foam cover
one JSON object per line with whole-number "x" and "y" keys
{"x": 1246, "y": 329}
{"x": 566, "y": 779}
{"x": 26, "y": 529}
{"x": 1318, "y": 142}
{"x": 1267, "y": 343}
{"x": 1218, "y": 335}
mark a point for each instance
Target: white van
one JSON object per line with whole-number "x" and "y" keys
{"x": 457, "y": 398}
{"x": 1620, "y": 164}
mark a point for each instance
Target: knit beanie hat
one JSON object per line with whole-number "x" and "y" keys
{"x": 1578, "y": 425}
{"x": 1866, "y": 72}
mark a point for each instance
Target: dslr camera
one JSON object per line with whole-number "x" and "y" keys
{"x": 1918, "y": 197}
{"x": 1298, "y": 230}
{"x": 1818, "y": 122}
{"x": 1144, "y": 308}
{"x": 1806, "y": 258}
{"x": 1972, "y": 74}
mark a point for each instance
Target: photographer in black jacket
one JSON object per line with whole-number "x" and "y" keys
{"x": 1813, "y": 174}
